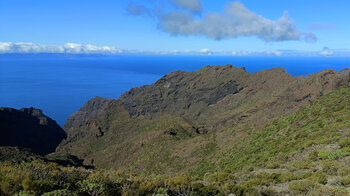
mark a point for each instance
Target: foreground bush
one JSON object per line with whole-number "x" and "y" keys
{"x": 302, "y": 186}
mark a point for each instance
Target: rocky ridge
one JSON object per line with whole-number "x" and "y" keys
{"x": 186, "y": 118}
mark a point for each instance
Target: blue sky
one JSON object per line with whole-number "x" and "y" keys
{"x": 111, "y": 23}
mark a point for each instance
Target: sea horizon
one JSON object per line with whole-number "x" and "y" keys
{"x": 60, "y": 84}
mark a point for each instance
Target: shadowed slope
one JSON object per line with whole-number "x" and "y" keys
{"x": 29, "y": 128}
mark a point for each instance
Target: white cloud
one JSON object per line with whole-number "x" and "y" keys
{"x": 326, "y": 52}
{"x": 273, "y": 53}
{"x": 235, "y": 21}
{"x": 5, "y": 47}
{"x": 74, "y": 48}
{"x": 194, "y": 6}
{"x": 240, "y": 53}
{"x": 206, "y": 51}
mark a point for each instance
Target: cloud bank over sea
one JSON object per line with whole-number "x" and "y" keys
{"x": 76, "y": 48}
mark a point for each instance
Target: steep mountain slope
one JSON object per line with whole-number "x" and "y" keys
{"x": 29, "y": 128}
{"x": 306, "y": 152}
{"x": 187, "y": 120}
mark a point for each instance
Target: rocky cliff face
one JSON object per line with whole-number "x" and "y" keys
{"x": 29, "y": 128}
{"x": 218, "y": 90}
{"x": 91, "y": 109}
{"x": 187, "y": 118}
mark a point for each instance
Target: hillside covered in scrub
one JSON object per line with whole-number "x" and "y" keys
{"x": 217, "y": 131}
{"x": 185, "y": 121}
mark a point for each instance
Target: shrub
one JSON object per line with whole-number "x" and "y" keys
{"x": 162, "y": 192}
{"x": 11, "y": 180}
{"x": 274, "y": 164}
{"x": 330, "y": 191}
{"x": 219, "y": 177}
{"x": 313, "y": 156}
{"x": 264, "y": 178}
{"x": 318, "y": 177}
{"x": 302, "y": 165}
{"x": 322, "y": 155}
{"x": 288, "y": 177}
{"x": 209, "y": 190}
{"x": 241, "y": 190}
{"x": 268, "y": 192}
{"x": 345, "y": 181}
{"x": 63, "y": 192}
{"x": 344, "y": 142}
{"x": 330, "y": 167}
{"x": 337, "y": 154}
{"x": 343, "y": 171}
{"x": 302, "y": 186}
{"x": 150, "y": 186}
{"x": 26, "y": 193}
{"x": 180, "y": 184}
{"x": 92, "y": 188}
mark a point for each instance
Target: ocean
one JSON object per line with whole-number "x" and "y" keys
{"x": 60, "y": 84}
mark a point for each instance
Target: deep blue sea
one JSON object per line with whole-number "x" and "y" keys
{"x": 61, "y": 84}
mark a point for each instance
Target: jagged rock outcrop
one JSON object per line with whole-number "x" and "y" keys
{"x": 91, "y": 109}
{"x": 186, "y": 118}
{"x": 29, "y": 128}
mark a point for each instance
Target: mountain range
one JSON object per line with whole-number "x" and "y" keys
{"x": 188, "y": 118}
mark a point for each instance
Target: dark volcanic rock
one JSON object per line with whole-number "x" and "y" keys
{"x": 91, "y": 109}
{"x": 178, "y": 91}
{"x": 29, "y": 128}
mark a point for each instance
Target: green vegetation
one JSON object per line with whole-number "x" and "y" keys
{"x": 302, "y": 186}
{"x": 39, "y": 178}
{"x": 289, "y": 138}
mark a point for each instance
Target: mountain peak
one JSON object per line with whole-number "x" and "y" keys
{"x": 91, "y": 109}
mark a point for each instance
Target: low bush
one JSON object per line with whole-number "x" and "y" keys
{"x": 330, "y": 167}
{"x": 303, "y": 165}
{"x": 339, "y": 191}
{"x": 344, "y": 142}
{"x": 337, "y": 154}
{"x": 302, "y": 186}
{"x": 264, "y": 178}
{"x": 318, "y": 177}
{"x": 313, "y": 155}
{"x": 63, "y": 192}
{"x": 345, "y": 181}
{"x": 289, "y": 177}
